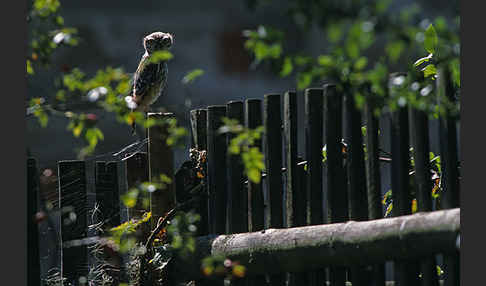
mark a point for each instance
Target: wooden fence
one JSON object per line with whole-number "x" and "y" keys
{"x": 291, "y": 195}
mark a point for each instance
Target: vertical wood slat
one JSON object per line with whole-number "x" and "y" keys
{"x": 272, "y": 122}
{"x": 199, "y": 131}
{"x": 107, "y": 193}
{"x": 136, "y": 170}
{"x": 216, "y": 169}
{"x": 74, "y": 224}
{"x": 237, "y": 198}
{"x": 253, "y": 119}
{"x": 161, "y": 161}
{"x": 356, "y": 180}
{"x": 450, "y": 197}
{"x": 237, "y": 211}
{"x": 295, "y": 216}
{"x": 423, "y": 183}
{"x": 373, "y": 185}
{"x": 406, "y": 272}
{"x": 313, "y": 98}
{"x": 295, "y": 200}
{"x": 33, "y": 256}
{"x": 336, "y": 190}
{"x": 108, "y": 200}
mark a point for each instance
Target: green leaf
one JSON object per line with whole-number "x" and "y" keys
{"x": 192, "y": 75}
{"x": 287, "y": 67}
{"x": 394, "y": 49}
{"x": 430, "y": 41}
{"x": 325, "y": 60}
{"x": 160, "y": 56}
{"x": 30, "y": 70}
{"x": 361, "y": 63}
{"x": 423, "y": 60}
{"x": 334, "y": 33}
{"x": 429, "y": 70}
{"x": 303, "y": 80}
{"x": 130, "y": 198}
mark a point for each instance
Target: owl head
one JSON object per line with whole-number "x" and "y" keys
{"x": 157, "y": 41}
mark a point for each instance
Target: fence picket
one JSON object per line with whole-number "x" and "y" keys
{"x": 356, "y": 180}
{"x": 337, "y": 204}
{"x": 449, "y": 157}
{"x": 256, "y": 206}
{"x": 33, "y": 257}
{"x": 74, "y": 224}
{"x": 373, "y": 186}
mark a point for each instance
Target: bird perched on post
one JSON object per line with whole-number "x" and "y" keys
{"x": 150, "y": 79}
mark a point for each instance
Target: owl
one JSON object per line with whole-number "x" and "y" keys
{"x": 150, "y": 79}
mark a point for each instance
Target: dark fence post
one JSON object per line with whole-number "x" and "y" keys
{"x": 108, "y": 193}
{"x": 217, "y": 169}
{"x": 74, "y": 223}
{"x": 272, "y": 121}
{"x": 450, "y": 171}
{"x": 356, "y": 180}
{"x": 423, "y": 183}
{"x": 406, "y": 272}
{"x": 33, "y": 257}
{"x": 295, "y": 194}
{"x": 199, "y": 131}
{"x": 336, "y": 186}
{"x": 314, "y": 99}
{"x": 256, "y": 205}
{"x": 237, "y": 197}
{"x": 136, "y": 173}
{"x": 161, "y": 161}
{"x": 237, "y": 211}
{"x": 373, "y": 186}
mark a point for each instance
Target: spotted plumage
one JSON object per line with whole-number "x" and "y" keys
{"x": 150, "y": 79}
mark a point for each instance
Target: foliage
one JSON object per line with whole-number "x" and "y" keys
{"x": 191, "y": 76}
{"x": 354, "y": 31}
{"x": 243, "y": 143}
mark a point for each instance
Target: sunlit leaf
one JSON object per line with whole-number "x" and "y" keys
{"x": 287, "y": 67}
{"x": 192, "y": 75}
{"x": 430, "y": 41}
{"x": 429, "y": 70}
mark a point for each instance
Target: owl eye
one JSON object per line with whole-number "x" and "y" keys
{"x": 166, "y": 40}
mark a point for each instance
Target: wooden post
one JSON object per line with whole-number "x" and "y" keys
{"x": 161, "y": 161}
{"x": 136, "y": 170}
{"x": 295, "y": 217}
{"x": 373, "y": 186}
{"x": 217, "y": 169}
{"x": 313, "y": 247}
{"x": 450, "y": 172}
{"x": 423, "y": 183}
{"x": 33, "y": 257}
{"x": 273, "y": 157}
{"x": 314, "y": 142}
{"x": 237, "y": 211}
{"x": 256, "y": 205}
{"x": 74, "y": 223}
{"x": 199, "y": 131}
{"x": 356, "y": 180}
{"x": 237, "y": 198}
{"x": 336, "y": 186}
{"x": 216, "y": 172}
{"x": 406, "y": 272}
{"x": 107, "y": 193}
